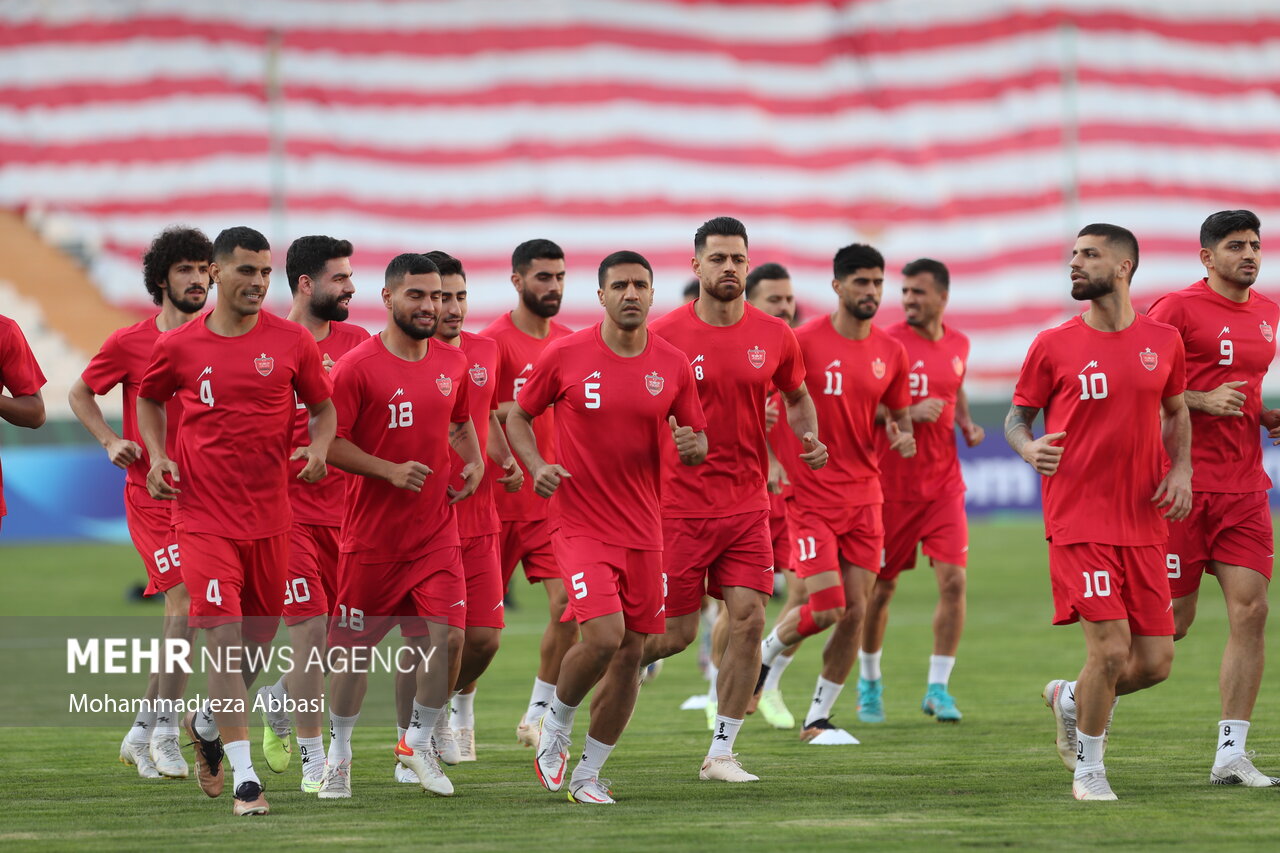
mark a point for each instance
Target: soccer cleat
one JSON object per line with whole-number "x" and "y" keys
{"x": 713, "y": 708}
{"x": 870, "y": 700}
{"x": 822, "y": 733}
{"x": 466, "y": 739}
{"x": 406, "y": 776}
{"x": 209, "y": 775}
{"x": 167, "y": 755}
{"x": 443, "y": 741}
{"x": 775, "y": 711}
{"x": 312, "y": 777}
{"x": 1240, "y": 771}
{"x": 725, "y": 768}
{"x": 940, "y": 704}
{"x": 764, "y": 673}
{"x": 249, "y": 801}
{"x": 594, "y": 791}
{"x": 527, "y": 733}
{"x": 335, "y": 784}
{"x": 277, "y": 744}
{"x": 138, "y": 755}
{"x": 423, "y": 763}
{"x": 650, "y": 672}
{"x": 1066, "y": 739}
{"x": 1092, "y": 786}
{"x": 553, "y": 756}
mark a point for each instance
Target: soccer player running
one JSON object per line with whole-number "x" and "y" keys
{"x": 1103, "y": 379}
{"x": 235, "y": 372}
{"x": 715, "y": 518}
{"x": 319, "y": 271}
{"x": 851, "y": 367}
{"x": 402, "y": 401}
{"x": 1229, "y": 332}
{"x": 621, "y": 394}
{"x": 175, "y": 271}
{"x": 537, "y": 273}
{"x": 924, "y": 495}
{"x": 21, "y": 376}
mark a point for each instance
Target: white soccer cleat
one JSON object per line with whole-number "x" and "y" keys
{"x": 725, "y": 768}
{"x": 443, "y": 741}
{"x": 527, "y": 732}
{"x": 166, "y": 754}
{"x": 552, "y": 760}
{"x": 1092, "y": 786}
{"x": 423, "y": 763}
{"x": 650, "y": 672}
{"x": 1066, "y": 722}
{"x": 466, "y": 739}
{"x": 594, "y": 792}
{"x": 406, "y": 776}
{"x": 336, "y": 782}
{"x": 1240, "y": 771}
{"x": 822, "y": 733}
{"x": 138, "y": 755}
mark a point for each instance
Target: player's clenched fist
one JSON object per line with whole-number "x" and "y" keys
{"x": 973, "y": 433}
{"x": 686, "y": 442}
{"x": 157, "y": 486}
{"x": 771, "y": 413}
{"x": 409, "y": 475}
{"x": 513, "y": 478}
{"x": 927, "y": 410}
{"x": 1224, "y": 400}
{"x": 814, "y": 452}
{"x": 1042, "y": 454}
{"x": 315, "y": 470}
{"x": 471, "y": 476}
{"x": 904, "y": 443}
{"x": 547, "y": 479}
{"x": 123, "y": 452}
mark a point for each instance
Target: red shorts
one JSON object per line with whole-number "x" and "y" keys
{"x": 313, "y": 570}
{"x": 855, "y": 533}
{"x": 784, "y": 543}
{"x": 1102, "y": 582}
{"x": 602, "y": 579}
{"x": 373, "y": 597}
{"x": 703, "y": 555}
{"x": 940, "y": 526}
{"x": 483, "y": 570}
{"x": 151, "y": 529}
{"x": 1231, "y": 529}
{"x": 235, "y": 580}
{"x": 527, "y": 543}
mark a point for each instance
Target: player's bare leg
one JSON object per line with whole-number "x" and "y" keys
{"x": 556, "y": 641}
{"x": 229, "y": 683}
{"x": 348, "y": 684}
{"x": 135, "y": 749}
{"x": 480, "y": 645}
{"x": 407, "y": 691}
{"x": 769, "y": 697}
{"x": 305, "y": 686}
{"x": 1245, "y": 593}
{"x": 948, "y": 625}
{"x": 162, "y": 748}
{"x": 870, "y": 685}
{"x": 611, "y": 709}
{"x": 841, "y": 650}
{"x": 738, "y": 669}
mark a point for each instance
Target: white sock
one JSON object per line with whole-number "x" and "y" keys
{"x": 770, "y": 648}
{"x": 464, "y": 711}
{"x": 824, "y": 698}
{"x": 401, "y": 731}
{"x": 1068, "y": 698}
{"x": 713, "y": 677}
{"x": 340, "y": 736}
{"x": 1231, "y": 738}
{"x": 594, "y": 755}
{"x": 164, "y": 731}
{"x": 773, "y": 680}
{"x": 869, "y": 665}
{"x": 205, "y": 726}
{"x": 143, "y": 726}
{"x": 726, "y": 733}
{"x": 560, "y": 715}
{"x": 539, "y": 700}
{"x": 421, "y": 721}
{"x": 1089, "y": 750}
{"x": 940, "y": 667}
{"x": 312, "y": 751}
{"x": 241, "y": 762}
{"x": 275, "y": 705}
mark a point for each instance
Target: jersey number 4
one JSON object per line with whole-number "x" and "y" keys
{"x": 206, "y": 393}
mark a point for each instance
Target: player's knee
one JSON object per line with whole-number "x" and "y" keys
{"x": 1157, "y": 670}
{"x": 1249, "y": 615}
{"x": 483, "y": 644}
{"x": 951, "y": 586}
{"x": 827, "y": 618}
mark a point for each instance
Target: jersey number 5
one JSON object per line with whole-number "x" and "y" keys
{"x": 591, "y": 390}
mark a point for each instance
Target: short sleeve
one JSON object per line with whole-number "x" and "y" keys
{"x": 310, "y": 381}
{"x": 462, "y": 400}
{"x": 687, "y": 407}
{"x": 1166, "y": 310}
{"x": 106, "y": 370}
{"x": 1035, "y": 380}
{"x": 1177, "y": 382}
{"x": 19, "y": 371}
{"x": 160, "y": 381}
{"x": 897, "y": 395}
{"x": 790, "y": 373}
{"x": 543, "y": 386}
{"x": 346, "y": 395}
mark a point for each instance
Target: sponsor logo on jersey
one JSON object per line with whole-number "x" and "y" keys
{"x": 264, "y": 364}
{"x": 1267, "y": 332}
{"x": 399, "y": 393}
{"x": 527, "y": 367}
{"x": 479, "y": 374}
{"x": 1089, "y": 365}
{"x": 654, "y": 383}
{"x": 1149, "y": 359}
{"x": 957, "y": 364}
{"x": 756, "y": 356}
{"x": 445, "y": 384}
{"x": 835, "y": 363}
{"x": 697, "y": 360}
{"x": 595, "y": 374}
{"x": 919, "y": 364}
{"x": 1226, "y": 330}
{"x": 208, "y": 371}
{"x": 877, "y": 368}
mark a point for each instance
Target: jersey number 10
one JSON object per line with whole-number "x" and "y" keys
{"x": 1093, "y": 386}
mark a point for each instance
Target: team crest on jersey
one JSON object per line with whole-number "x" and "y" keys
{"x": 1149, "y": 359}
{"x": 1267, "y": 331}
{"x": 957, "y": 364}
{"x": 264, "y": 364}
{"x": 445, "y": 384}
{"x": 877, "y": 368}
{"x": 756, "y": 356}
{"x": 479, "y": 374}
{"x": 654, "y": 383}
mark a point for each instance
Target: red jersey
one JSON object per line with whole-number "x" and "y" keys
{"x": 234, "y": 441}
{"x": 321, "y": 503}
{"x": 19, "y": 372}
{"x": 123, "y": 360}
{"x": 936, "y": 371}
{"x": 517, "y": 354}
{"x": 478, "y": 514}
{"x": 733, "y": 368}
{"x": 847, "y": 380}
{"x": 611, "y": 425}
{"x": 400, "y": 411}
{"x": 1226, "y": 342}
{"x": 1104, "y": 390}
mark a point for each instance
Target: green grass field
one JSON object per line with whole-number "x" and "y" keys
{"x": 994, "y": 780}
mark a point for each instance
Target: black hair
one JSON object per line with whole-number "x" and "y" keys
{"x": 692, "y": 289}
{"x": 623, "y": 257}
{"x": 239, "y": 237}
{"x": 764, "y": 272}
{"x": 854, "y": 257}
{"x": 531, "y": 250}
{"x": 937, "y": 269}
{"x": 722, "y": 226}
{"x": 308, "y": 255}
{"x": 1121, "y": 238}
{"x": 173, "y": 244}
{"x": 410, "y": 263}
{"x": 446, "y": 264}
{"x": 1226, "y": 222}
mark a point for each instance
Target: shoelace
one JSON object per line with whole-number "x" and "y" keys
{"x": 168, "y": 748}
{"x": 595, "y": 781}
